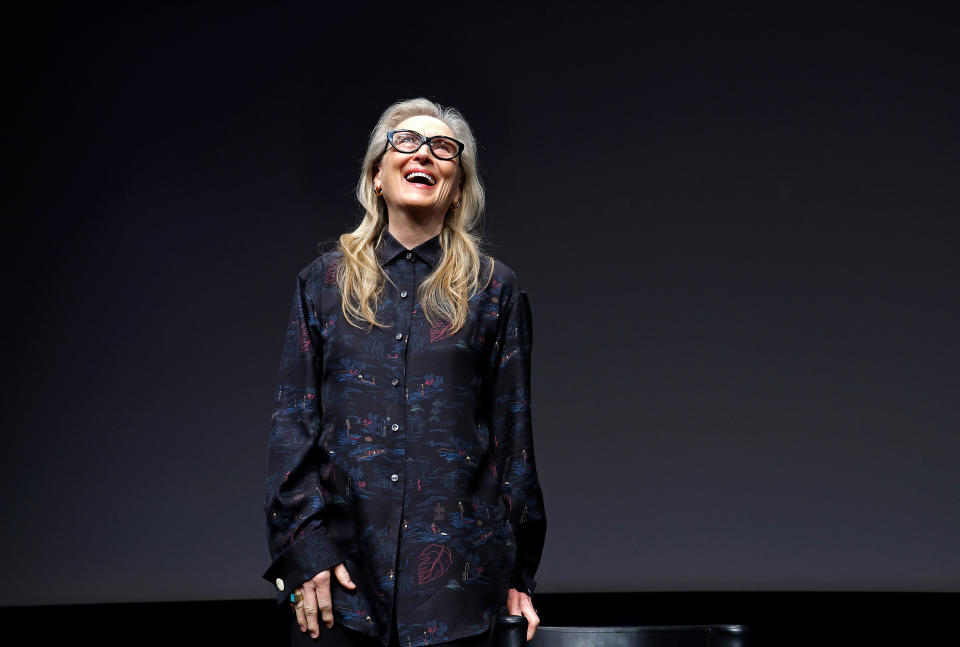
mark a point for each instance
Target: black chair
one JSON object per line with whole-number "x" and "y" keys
{"x": 668, "y": 636}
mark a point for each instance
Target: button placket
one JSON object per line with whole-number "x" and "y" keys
{"x": 405, "y": 276}
{"x": 408, "y": 281}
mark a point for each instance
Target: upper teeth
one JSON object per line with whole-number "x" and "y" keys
{"x": 414, "y": 174}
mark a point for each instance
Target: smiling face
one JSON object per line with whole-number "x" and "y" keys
{"x": 418, "y": 183}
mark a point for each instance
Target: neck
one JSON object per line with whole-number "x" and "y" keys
{"x": 411, "y": 230}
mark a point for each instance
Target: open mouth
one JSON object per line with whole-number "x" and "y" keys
{"x": 419, "y": 177}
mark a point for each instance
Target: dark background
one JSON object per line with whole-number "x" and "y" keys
{"x": 738, "y": 230}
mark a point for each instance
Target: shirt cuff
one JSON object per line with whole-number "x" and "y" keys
{"x": 522, "y": 582}
{"x": 305, "y": 558}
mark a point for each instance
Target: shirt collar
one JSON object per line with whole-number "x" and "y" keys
{"x": 390, "y": 249}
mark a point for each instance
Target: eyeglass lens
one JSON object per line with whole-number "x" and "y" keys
{"x": 408, "y": 142}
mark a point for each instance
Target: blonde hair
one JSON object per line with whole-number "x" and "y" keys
{"x": 445, "y": 293}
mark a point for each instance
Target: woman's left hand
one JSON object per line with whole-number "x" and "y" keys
{"x": 520, "y": 604}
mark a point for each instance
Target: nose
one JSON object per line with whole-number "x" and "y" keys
{"x": 422, "y": 153}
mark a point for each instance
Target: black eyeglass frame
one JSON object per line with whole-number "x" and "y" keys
{"x": 425, "y": 140}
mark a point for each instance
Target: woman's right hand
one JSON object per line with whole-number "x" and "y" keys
{"x": 316, "y": 599}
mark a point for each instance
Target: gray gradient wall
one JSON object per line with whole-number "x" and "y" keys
{"x": 738, "y": 232}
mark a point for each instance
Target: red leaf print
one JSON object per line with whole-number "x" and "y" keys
{"x": 435, "y": 560}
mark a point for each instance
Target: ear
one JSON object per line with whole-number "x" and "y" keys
{"x": 376, "y": 177}
{"x": 459, "y": 193}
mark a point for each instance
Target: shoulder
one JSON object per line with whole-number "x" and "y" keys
{"x": 501, "y": 270}
{"x": 321, "y": 269}
{"x": 504, "y": 280}
{"x": 318, "y": 280}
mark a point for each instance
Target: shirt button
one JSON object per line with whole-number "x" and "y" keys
{"x": 394, "y": 478}
{"x": 394, "y": 426}
{"x": 279, "y": 584}
{"x": 403, "y": 295}
{"x": 409, "y": 256}
{"x": 394, "y": 381}
{"x": 399, "y": 336}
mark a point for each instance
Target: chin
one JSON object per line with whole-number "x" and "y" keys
{"x": 420, "y": 204}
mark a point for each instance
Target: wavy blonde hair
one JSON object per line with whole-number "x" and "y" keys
{"x": 445, "y": 293}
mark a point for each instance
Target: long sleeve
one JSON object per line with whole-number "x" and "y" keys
{"x": 511, "y": 421}
{"x": 294, "y": 501}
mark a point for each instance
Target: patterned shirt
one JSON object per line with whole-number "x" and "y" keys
{"x": 406, "y": 452}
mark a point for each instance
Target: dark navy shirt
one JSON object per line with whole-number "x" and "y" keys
{"x": 406, "y": 452}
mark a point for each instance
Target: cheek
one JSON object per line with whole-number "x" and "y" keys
{"x": 452, "y": 181}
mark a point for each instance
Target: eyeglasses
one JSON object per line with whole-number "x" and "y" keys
{"x": 410, "y": 141}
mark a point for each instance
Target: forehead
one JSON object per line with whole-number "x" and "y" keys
{"x": 425, "y": 125}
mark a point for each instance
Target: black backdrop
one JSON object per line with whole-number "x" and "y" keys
{"x": 744, "y": 223}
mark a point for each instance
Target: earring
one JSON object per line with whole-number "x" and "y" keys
{"x": 377, "y": 190}
{"x": 455, "y": 206}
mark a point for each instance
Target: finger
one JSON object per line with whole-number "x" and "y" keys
{"x": 301, "y": 618}
{"x": 513, "y": 602}
{"x": 324, "y": 605}
{"x": 310, "y": 608}
{"x": 343, "y": 576}
{"x": 533, "y": 620}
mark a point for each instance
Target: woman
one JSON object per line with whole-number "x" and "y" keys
{"x": 403, "y": 505}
